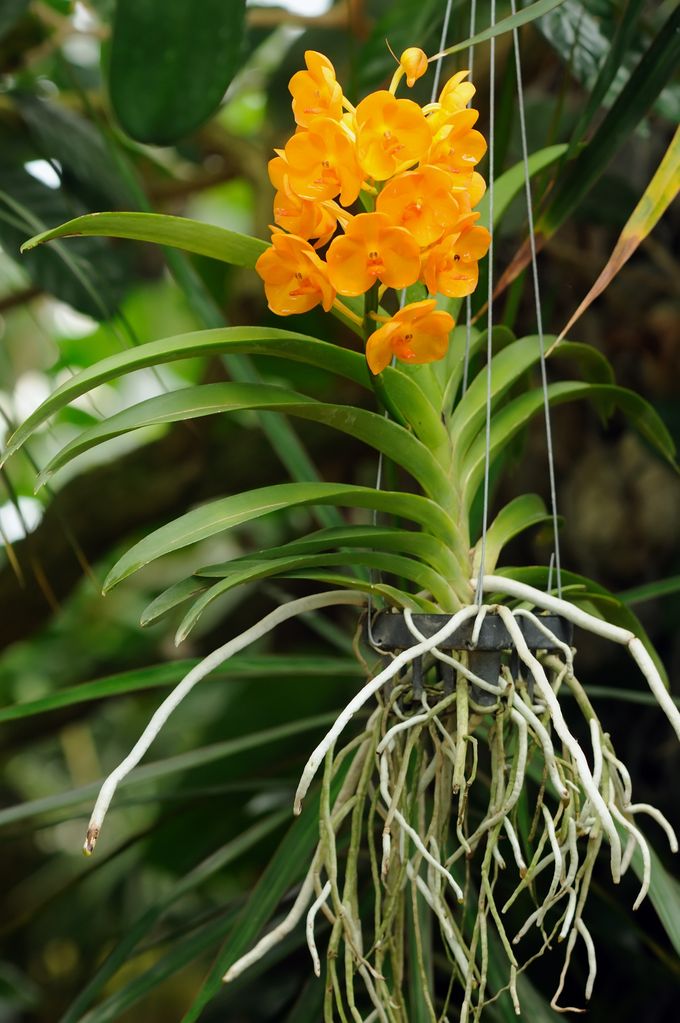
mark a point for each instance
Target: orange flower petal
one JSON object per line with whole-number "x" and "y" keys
{"x": 418, "y": 333}
{"x": 315, "y": 91}
{"x": 391, "y": 134}
{"x": 295, "y": 279}
{"x": 372, "y": 249}
{"x": 422, "y": 201}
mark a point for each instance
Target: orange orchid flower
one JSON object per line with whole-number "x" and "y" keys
{"x": 423, "y": 202}
{"x": 295, "y": 279}
{"x": 417, "y": 333}
{"x": 303, "y": 217}
{"x": 457, "y": 147}
{"x": 413, "y": 63}
{"x": 315, "y": 91}
{"x": 392, "y": 134}
{"x": 321, "y": 163}
{"x": 457, "y": 93}
{"x": 372, "y": 249}
{"x": 451, "y": 267}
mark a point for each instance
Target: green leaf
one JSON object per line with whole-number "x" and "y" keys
{"x": 650, "y": 591}
{"x": 183, "y": 951}
{"x": 523, "y": 17}
{"x": 92, "y": 276}
{"x": 165, "y": 768}
{"x": 427, "y": 548}
{"x": 171, "y": 598}
{"x": 269, "y": 341}
{"x": 513, "y": 417}
{"x": 288, "y": 864}
{"x": 210, "y": 399}
{"x": 511, "y": 182}
{"x": 171, "y": 64}
{"x": 521, "y": 513}
{"x": 178, "y": 232}
{"x": 664, "y": 894}
{"x": 161, "y": 675}
{"x": 644, "y": 85}
{"x": 394, "y": 564}
{"x": 217, "y": 516}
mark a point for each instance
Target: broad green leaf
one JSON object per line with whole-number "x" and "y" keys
{"x": 119, "y": 955}
{"x": 427, "y": 548}
{"x": 523, "y": 17}
{"x": 507, "y": 367}
{"x": 394, "y": 564}
{"x": 165, "y": 768}
{"x": 161, "y": 675}
{"x": 171, "y": 64}
{"x": 521, "y": 513}
{"x": 657, "y": 197}
{"x": 218, "y": 516}
{"x": 269, "y": 341}
{"x": 210, "y": 399}
{"x": 178, "y": 232}
{"x": 514, "y": 416}
{"x": 512, "y": 182}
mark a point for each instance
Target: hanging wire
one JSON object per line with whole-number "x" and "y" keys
{"x": 468, "y": 300}
{"x": 539, "y": 317}
{"x": 489, "y": 346}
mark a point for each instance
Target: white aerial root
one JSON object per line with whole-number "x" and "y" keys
{"x": 372, "y": 687}
{"x": 278, "y": 933}
{"x": 413, "y": 834}
{"x": 309, "y": 926}
{"x": 644, "y": 850}
{"x": 592, "y": 961}
{"x": 437, "y": 906}
{"x": 659, "y": 818}
{"x": 512, "y": 588}
{"x": 208, "y": 664}
{"x": 514, "y": 845}
{"x": 567, "y": 738}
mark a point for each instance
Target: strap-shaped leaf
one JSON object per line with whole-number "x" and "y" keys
{"x": 171, "y": 598}
{"x": 519, "y": 514}
{"x": 395, "y": 564}
{"x": 242, "y": 666}
{"x": 426, "y": 548}
{"x": 178, "y": 232}
{"x": 511, "y": 182}
{"x": 218, "y": 516}
{"x": 210, "y": 399}
{"x": 392, "y": 594}
{"x": 507, "y": 367}
{"x": 509, "y": 420}
{"x": 269, "y": 341}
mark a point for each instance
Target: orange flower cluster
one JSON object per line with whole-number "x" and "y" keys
{"x": 413, "y": 171}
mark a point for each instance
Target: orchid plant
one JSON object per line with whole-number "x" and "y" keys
{"x": 433, "y": 798}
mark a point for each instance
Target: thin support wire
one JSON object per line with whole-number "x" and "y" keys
{"x": 489, "y": 346}
{"x": 539, "y": 317}
{"x": 468, "y": 300}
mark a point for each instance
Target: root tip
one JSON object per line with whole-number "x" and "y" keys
{"x": 90, "y": 841}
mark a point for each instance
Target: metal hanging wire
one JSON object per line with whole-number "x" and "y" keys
{"x": 539, "y": 316}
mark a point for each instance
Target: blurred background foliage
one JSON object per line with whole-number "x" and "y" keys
{"x": 175, "y": 107}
